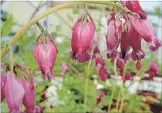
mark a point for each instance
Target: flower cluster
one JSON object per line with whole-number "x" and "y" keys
{"x": 129, "y": 34}
{"x": 18, "y": 92}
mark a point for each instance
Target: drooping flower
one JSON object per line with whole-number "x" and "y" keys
{"x": 120, "y": 64}
{"x": 114, "y": 30}
{"x": 125, "y": 39}
{"x": 82, "y": 36}
{"x": 45, "y": 54}
{"x": 30, "y": 95}
{"x": 64, "y": 67}
{"x": 138, "y": 64}
{"x": 3, "y": 82}
{"x": 100, "y": 62}
{"x": 14, "y": 93}
{"x": 104, "y": 75}
{"x": 99, "y": 98}
{"x": 127, "y": 76}
{"x": 134, "y": 6}
{"x": 145, "y": 29}
{"x": 154, "y": 67}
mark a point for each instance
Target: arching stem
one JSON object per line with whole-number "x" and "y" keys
{"x": 19, "y": 34}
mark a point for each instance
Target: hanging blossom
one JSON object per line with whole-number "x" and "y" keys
{"x": 18, "y": 92}
{"x": 130, "y": 34}
{"x": 153, "y": 71}
{"x": 82, "y": 36}
{"x": 45, "y": 53}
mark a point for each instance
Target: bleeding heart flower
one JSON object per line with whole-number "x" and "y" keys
{"x": 127, "y": 76}
{"x": 45, "y": 54}
{"x": 100, "y": 62}
{"x": 30, "y": 95}
{"x": 154, "y": 67}
{"x": 113, "y": 36}
{"x": 14, "y": 93}
{"x": 138, "y": 64}
{"x": 99, "y": 98}
{"x": 120, "y": 64}
{"x": 3, "y": 82}
{"x": 82, "y": 36}
{"x": 144, "y": 28}
{"x": 64, "y": 67}
{"x": 104, "y": 75}
{"x": 134, "y": 6}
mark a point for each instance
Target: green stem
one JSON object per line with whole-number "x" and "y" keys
{"x": 86, "y": 84}
{"x": 40, "y": 27}
{"x": 122, "y": 91}
{"x": 19, "y": 34}
{"x": 115, "y": 70}
{"x": 112, "y": 95}
{"x": 11, "y": 58}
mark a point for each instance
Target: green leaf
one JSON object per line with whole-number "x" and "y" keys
{"x": 7, "y": 26}
{"x": 106, "y": 100}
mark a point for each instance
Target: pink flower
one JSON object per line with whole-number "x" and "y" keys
{"x": 145, "y": 29}
{"x": 45, "y": 54}
{"x": 126, "y": 39}
{"x": 3, "y": 82}
{"x": 30, "y": 95}
{"x": 64, "y": 67}
{"x": 138, "y": 64}
{"x": 100, "y": 62}
{"x": 99, "y": 98}
{"x": 113, "y": 36}
{"x": 154, "y": 67}
{"x": 14, "y": 93}
{"x": 104, "y": 75}
{"x": 128, "y": 76}
{"x": 134, "y": 6}
{"x": 120, "y": 64}
{"x": 82, "y": 36}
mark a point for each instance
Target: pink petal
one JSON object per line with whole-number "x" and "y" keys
{"x": 3, "y": 82}
{"x": 14, "y": 93}
{"x": 144, "y": 28}
{"x": 29, "y": 97}
{"x": 134, "y": 6}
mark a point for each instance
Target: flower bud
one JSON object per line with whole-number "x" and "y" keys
{"x": 64, "y": 67}
{"x": 104, "y": 75}
{"x": 100, "y": 62}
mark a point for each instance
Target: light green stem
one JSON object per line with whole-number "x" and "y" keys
{"x": 19, "y": 34}
{"x": 122, "y": 90}
{"x": 11, "y": 58}
{"x": 86, "y": 85}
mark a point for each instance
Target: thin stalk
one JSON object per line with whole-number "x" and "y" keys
{"x": 86, "y": 7}
{"x": 40, "y": 27}
{"x": 11, "y": 58}
{"x": 19, "y": 34}
{"x": 86, "y": 84}
{"x": 115, "y": 70}
{"x": 122, "y": 91}
{"x": 111, "y": 99}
